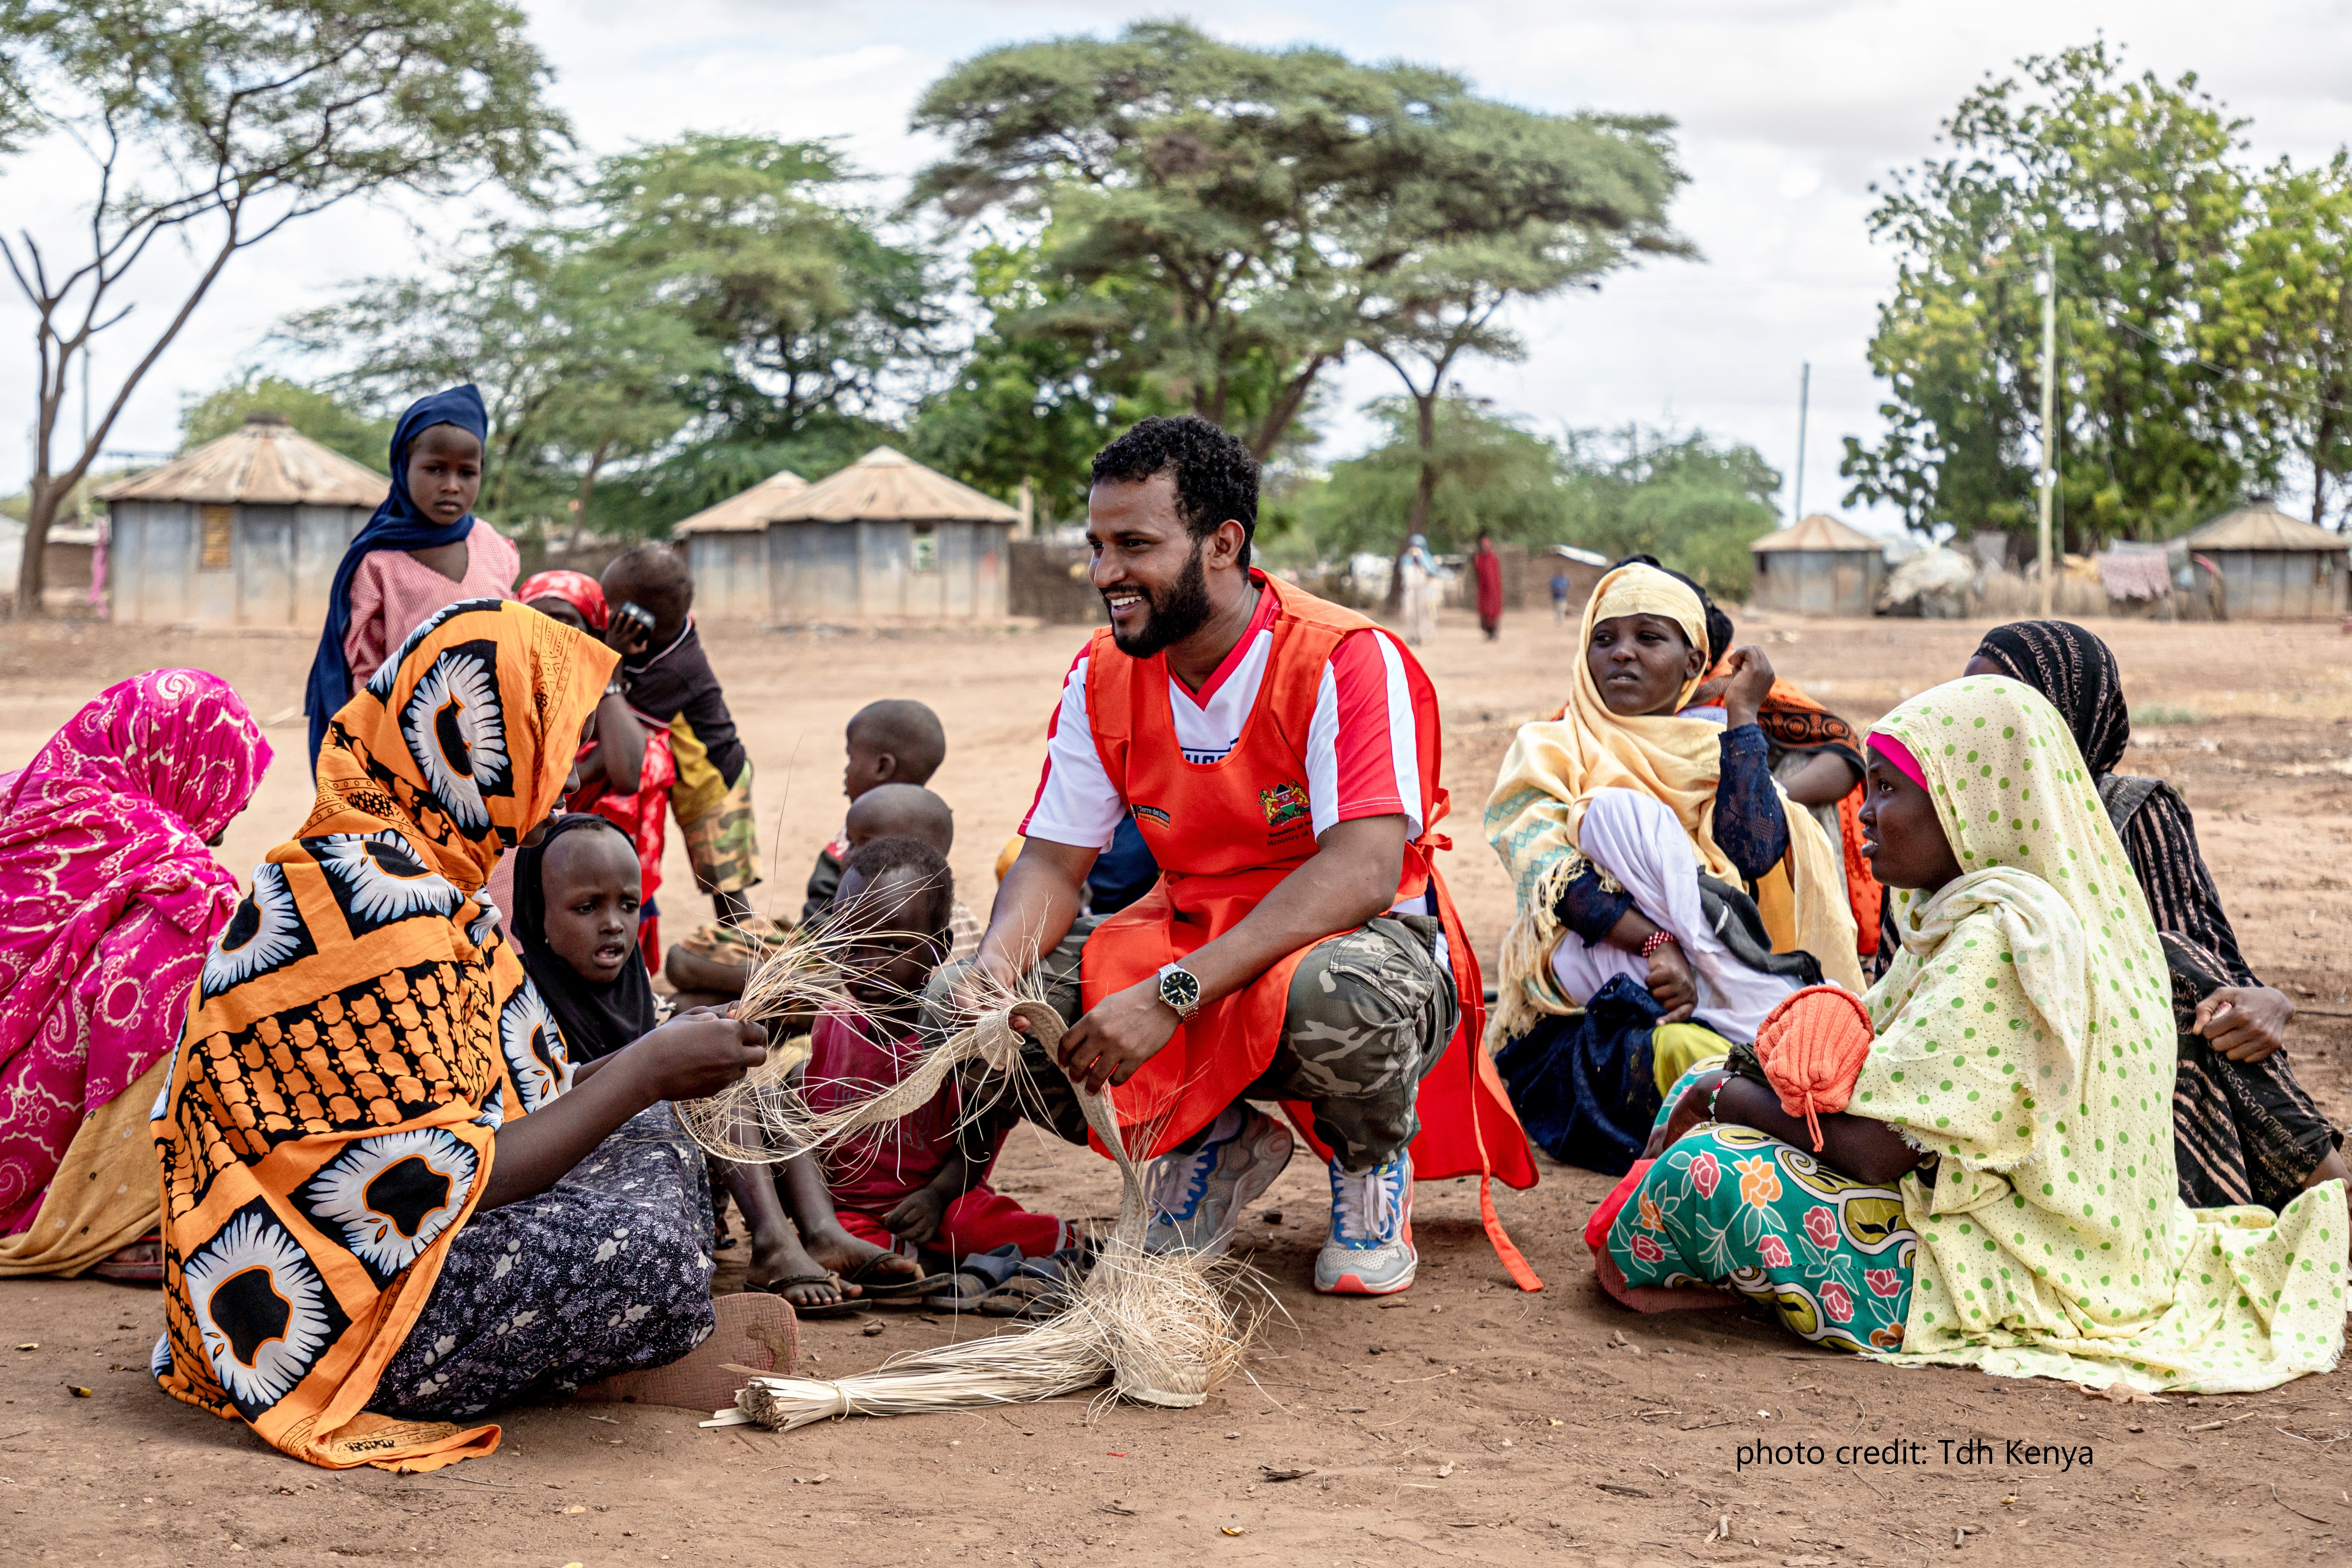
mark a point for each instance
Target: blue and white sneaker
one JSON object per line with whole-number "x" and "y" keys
{"x": 1371, "y": 1250}
{"x": 1197, "y": 1198}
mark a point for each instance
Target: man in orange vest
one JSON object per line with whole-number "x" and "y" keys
{"x": 1281, "y": 756}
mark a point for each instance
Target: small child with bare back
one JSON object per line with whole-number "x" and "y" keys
{"x": 873, "y": 1210}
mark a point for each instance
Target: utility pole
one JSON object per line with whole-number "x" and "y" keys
{"x": 2048, "y": 284}
{"x": 1804, "y": 404}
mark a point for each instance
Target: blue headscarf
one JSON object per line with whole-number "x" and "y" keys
{"x": 396, "y": 525}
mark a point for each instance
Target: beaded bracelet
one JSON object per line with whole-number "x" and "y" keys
{"x": 1655, "y": 940}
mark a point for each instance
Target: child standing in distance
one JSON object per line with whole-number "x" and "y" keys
{"x": 669, "y": 682}
{"x": 423, "y": 551}
{"x": 626, "y": 770}
{"x": 906, "y": 1188}
{"x": 892, "y": 741}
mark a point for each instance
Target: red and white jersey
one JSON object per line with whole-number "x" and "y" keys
{"x": 1362, "y": 747}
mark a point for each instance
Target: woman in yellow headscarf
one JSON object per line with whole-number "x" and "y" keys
{"x": 1661, "y": 879}
{"x": 386, "y": 1206}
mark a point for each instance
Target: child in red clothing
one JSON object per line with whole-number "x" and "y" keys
{"x": 904, "y": 1186}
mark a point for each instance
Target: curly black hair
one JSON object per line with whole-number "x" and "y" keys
{"x": 880, "y": 857}
{"x": 654, "y": 576}
{"x": 1216, "y": 478}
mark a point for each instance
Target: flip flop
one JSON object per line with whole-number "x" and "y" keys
{"x": 979, "y": 1277}
{"x": 828, "y": 1309}
{"x": 891, "y": 1286}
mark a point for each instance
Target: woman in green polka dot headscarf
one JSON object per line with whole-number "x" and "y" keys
{"x": 2023, "y": 1057}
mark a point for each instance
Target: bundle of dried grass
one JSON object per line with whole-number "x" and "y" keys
{"x": 761, "y": 1119}
{"x": 1159, "y": 1327}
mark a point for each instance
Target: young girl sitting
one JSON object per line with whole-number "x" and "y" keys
{"x": 1989, "y": 1180}
{"x": 909, "y": 1187}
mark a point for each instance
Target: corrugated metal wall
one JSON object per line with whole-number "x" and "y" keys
{"x": 730, "y": 575}
{"x": 1817, "y": 582}
{"x": 280, "y": 564}
{"x": 871, "y": 572}
{"x": 2280, "y": 584}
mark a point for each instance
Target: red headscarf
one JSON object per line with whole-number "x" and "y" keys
{"x": 578, "y": 589}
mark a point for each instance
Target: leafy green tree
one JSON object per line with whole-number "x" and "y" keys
{"x": 579, "y": 363}
{"x": 815, "y": 315}
{"x": 1024, "y": 407}
{"x": 1694, "y": 502}
{"x": 1201, "y": 174}
{"x": 2281, "y": 318}
{"x": 321, "y": 416}
{"x": 1493, "y": 474}
{"x": 2132, "y": 181}
{"x": 209, "y": 125}
{"x": 1490, "y": 204}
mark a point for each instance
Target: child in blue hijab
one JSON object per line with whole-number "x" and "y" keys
{"x": 424, "y": 550}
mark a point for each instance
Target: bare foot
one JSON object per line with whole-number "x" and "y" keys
{"x": 779, "y": 1255}
{"x": 834, "y": 1248}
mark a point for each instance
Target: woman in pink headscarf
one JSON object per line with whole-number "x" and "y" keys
{"x": 109, "y": 900}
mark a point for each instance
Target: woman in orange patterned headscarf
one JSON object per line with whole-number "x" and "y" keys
{"x": 369, "y": 1093}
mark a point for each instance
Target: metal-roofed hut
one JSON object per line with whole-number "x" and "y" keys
{"x": 727, "y": 548}
{"x": 2274, "y": 567}
{"x": 245, "y": 530}
{"x": 1819, "y": 567}
{"x": 887, "y": 539}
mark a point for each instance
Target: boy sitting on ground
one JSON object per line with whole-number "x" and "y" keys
{"x": 712, "y": 965}
{"x": 891, "y": 742}
{"x": 907, "y": 1188}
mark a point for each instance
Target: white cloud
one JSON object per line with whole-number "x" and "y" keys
{"x": 1789, "y": 111}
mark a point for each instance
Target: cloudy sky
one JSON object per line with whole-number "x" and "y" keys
{"x": 1788, "y": 110}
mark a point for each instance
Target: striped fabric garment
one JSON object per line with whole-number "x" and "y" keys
{"x": 2243, "y": 1132}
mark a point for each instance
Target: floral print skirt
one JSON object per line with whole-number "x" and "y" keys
{"x": 1733, "y": 1207}
{"x": 605, "y": 1272}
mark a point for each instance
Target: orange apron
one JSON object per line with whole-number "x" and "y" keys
{"x": 1224, "y": 834}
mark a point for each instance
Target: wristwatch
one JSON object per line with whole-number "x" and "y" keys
{"x": 1180, "y": 989}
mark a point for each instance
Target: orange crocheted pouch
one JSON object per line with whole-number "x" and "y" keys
{"x": 1811, "y": 1047}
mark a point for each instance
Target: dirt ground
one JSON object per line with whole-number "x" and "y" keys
{"x": 1462, "y": 1422}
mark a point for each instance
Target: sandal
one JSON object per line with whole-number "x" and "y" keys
{"x": 138, "y": 1263}
{"x": 824, "y": 1310}
{"x": 1040, "y": 1287}
{"x": 977, "y": 1277}
{"x": 874, "y": 1286}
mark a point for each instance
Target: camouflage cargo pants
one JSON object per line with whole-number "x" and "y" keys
{"x": 1370, "y": 1013}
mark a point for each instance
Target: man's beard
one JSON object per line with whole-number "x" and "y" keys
{"x": 1168, "y": 621}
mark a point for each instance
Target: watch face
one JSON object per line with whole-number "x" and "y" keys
{"x": 1180, "y": 990}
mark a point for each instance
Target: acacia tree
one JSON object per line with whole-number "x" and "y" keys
{"x": 1491, "y": 205}
{"x": 749, "y": 241}
{"x": 212, "y": 124}
{"x": 1199, "y": 173}
{"x": 2132, "y": 182}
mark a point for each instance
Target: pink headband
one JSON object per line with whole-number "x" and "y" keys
{"x": 1894, "y": 752}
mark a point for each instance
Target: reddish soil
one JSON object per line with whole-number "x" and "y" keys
{"x": 1464, "y": 1421}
